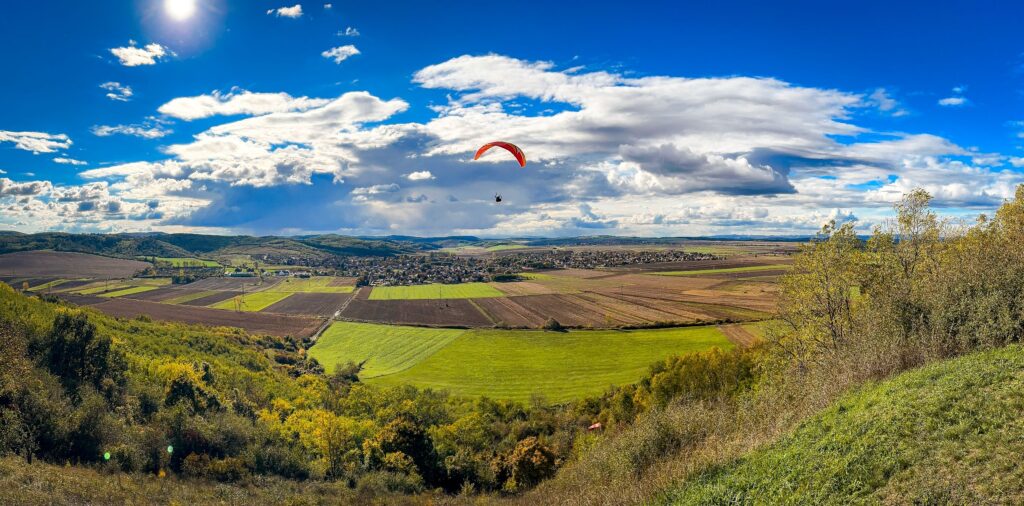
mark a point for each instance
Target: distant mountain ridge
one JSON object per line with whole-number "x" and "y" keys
{"x": 160, "y": 244}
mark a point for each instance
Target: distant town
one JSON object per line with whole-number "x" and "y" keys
{"x": 449, "y": 269}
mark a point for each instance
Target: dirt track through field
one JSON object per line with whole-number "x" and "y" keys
{"x": 738, "y": 335}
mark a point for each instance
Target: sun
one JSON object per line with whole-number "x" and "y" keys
{"x": 180, "y": 10}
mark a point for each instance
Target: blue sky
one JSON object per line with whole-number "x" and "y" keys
{"x": 666, "y": 118}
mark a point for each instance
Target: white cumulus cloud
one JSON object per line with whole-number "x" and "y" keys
{"x": 117, "y": 91}
{"x": 144, "y": 131}
{"x": 236, "y": 103}
{"x": 134, "y": 56}
{"x": 419, "y": 175}
{"x": 68, "y": 161}
{"x": 36, "y": 142}
{"x": 340, "y": 53}
{"x": 293, "y": 12}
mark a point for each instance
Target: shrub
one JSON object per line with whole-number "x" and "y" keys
{"x": 553, "y": 325}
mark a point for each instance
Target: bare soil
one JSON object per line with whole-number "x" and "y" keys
{"x": 318, "y": 304}
{"x": 60, "y": 264}
{"x": 256, "y": 323}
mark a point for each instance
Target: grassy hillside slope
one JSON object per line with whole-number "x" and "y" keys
{"x": 950, "y": 432}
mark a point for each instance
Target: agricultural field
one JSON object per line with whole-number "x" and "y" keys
{"x": 51, "y": 285}
{"x": 506, "y": 247}
{"x": 255, "y": 301}
{"x": 256, "y": 323}
{"x": 435, "y": 291}
{"x": 182, "y": 261}
{"x": 318, "y": 284}
{"x": 59, "y": 264}
{"x": 725, "y": 270}
{"x": 384, "y": 349}
{"x": 508, "y": 364}
{"x": 319, "y": 304}
{"x": 734, "y": 291}
{"x": 730, "y": 290}
{"x": 131, "y": 290}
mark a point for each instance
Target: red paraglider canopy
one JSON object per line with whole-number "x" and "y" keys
{"x": 512, "y": 148}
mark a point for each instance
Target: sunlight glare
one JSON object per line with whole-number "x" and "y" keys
{"x": 180, "y": 10}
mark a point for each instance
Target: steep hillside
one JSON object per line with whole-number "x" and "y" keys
{"x": 951, "y": 432}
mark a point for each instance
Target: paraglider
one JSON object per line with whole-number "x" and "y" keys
{"x": 512, "y": 148}
{"x": 508, "y": 146}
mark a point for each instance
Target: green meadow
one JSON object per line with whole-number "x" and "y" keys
{"x": 320, "y": 284}
{"x": 128, "y": 291}
{"x": 507, "y": 364}
{"x": 435, "y": 291}
{"x": 387, "y": 349}
{"x": 255, "y": 301}
{"x": 503, "y": 247}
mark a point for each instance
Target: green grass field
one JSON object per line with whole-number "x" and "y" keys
{"x": 129, "y": 291}
{"x": 435, "y": 291}
{"x": 48, "y": 286}
{"x": 535, "y": 276}
{"x": 947, "y": 433}
{"x": 508, "y": 364}
{"x": 102, "y": 286}
{"x": 320, "y": 284}
{"x": 503, "y": 247}
{"x": 387, "y": 349}
{"x": 255, "y": 301}
{"x": 726, "y": 270}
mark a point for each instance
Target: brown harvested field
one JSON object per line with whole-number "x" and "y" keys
{"x": 627, "y": 282}
{"x": 256, "y": 323}
{"x": 60, "y": 264}
{"x": 568, "y": 310}
{"x": 234, "y": 284}
{"x": 162, "y": 294}
{"x": 18, "y": 282}
{"x": 700, "y": 265}
{"x": 448, "y": 312}
{"x": 524, "y": 288}
{"x": 505, "y": 310}
{"x": 71, "y": 285}
{"x": 770, "y": 275}
{"x": 342, "y": 282}
{"x": 82, "y": 300}
{"x": 210, "y": 299}
{"x": 320, "y": 304}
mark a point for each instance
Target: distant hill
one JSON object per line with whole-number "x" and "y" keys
{"x": 189, "y": 245}
{"x": 99, "y": 244}
{"x": 132, "y": 245}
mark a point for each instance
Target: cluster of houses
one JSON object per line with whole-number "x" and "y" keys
{"x": 446, "y": 268}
